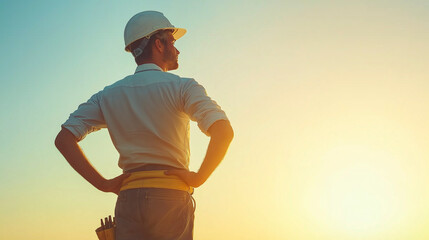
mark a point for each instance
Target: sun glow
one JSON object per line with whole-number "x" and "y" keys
{"x": 358, "y": 192}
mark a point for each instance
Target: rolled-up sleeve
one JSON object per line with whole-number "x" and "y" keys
{"x": 200, "y": 107}
{"x": 86, "y": 119}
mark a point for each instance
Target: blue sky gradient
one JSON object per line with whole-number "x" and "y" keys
{"x": 323, "y": 95}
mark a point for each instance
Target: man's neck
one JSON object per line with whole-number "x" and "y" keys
{"x": 160, "y": 64}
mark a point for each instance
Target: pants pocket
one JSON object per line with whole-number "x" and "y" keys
{"x": 169, "y": 214}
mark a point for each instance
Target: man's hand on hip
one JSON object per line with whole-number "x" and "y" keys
{"x": 113, "y": 185}
{"x": 190, "y": 178}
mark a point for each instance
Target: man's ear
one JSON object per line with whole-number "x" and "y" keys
{"x": 159, "y": 45}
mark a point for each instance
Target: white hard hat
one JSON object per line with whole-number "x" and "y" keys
{"x": 145, "y": 24}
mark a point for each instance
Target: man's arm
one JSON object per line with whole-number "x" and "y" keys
{"x": 221, "y": 135}
{"x": 68, "y": 146}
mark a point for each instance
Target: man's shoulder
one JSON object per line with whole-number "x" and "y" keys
{"x": 121, "y": 82}
{"x": 177, "y": 77}
{"x": 135, "y": 80}
{"x": 184, "y": 82}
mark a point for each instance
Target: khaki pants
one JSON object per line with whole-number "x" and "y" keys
{"x": 154, "y": 214}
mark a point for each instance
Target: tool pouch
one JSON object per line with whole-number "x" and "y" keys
{"x": 106, "y": 234}
{"x": 107, "y": 229}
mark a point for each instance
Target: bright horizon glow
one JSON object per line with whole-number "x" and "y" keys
{"x": 360, "y": 198}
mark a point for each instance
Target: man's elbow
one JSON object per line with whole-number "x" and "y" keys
{"x": 229, "y": 133}
{"x": 223, "y": 130}
{"x": 64, "y": 137}
{"x": 59, "y": 141}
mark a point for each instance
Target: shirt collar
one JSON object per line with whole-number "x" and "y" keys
{"x": 148, "y": 66}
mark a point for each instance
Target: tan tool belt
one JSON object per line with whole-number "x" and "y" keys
{"x": 155, "y": 179}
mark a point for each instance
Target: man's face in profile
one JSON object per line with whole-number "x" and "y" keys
{"x": 171, "y": 54}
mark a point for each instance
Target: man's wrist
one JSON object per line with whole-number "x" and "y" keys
{"x": 200, "y": 178}
{"x": 100, "y": 184}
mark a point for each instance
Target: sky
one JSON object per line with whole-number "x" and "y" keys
{"x": 328, "y": 101}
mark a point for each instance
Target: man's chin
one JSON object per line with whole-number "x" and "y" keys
{"x": 173, "y": 67}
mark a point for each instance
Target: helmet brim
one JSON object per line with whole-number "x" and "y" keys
{"x": 177, "y": 33}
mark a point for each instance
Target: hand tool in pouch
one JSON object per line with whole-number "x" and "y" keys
{"x": 107, "y": 229}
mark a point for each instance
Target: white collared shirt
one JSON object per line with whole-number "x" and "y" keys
{"x": 147, "y": 115}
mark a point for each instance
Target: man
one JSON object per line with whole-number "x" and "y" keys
{"x": 147, "y": 115}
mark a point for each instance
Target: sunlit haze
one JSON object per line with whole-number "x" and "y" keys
{"x": 328, "y": 101}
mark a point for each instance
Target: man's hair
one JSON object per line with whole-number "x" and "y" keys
{"x": 147, "y": 51}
